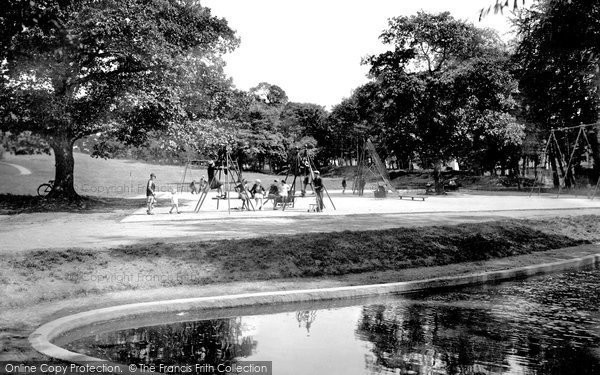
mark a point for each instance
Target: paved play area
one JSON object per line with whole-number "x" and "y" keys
{"x": 348, "y": 204}
{"x": 103, "y": 230}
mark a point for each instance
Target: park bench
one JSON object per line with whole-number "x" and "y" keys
{"x": 412, "y": 197}
{"x": 279, "y": 202}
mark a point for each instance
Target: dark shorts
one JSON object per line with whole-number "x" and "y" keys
{"x": 215, "y": 184}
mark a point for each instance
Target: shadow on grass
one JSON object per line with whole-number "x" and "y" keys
{"x": 24, "y": 204}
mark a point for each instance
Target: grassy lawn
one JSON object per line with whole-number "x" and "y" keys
{"x": 112, "y": 177}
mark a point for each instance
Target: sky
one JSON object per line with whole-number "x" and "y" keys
{"x": 312, "y": 49}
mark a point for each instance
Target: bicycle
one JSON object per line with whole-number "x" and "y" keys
{"x": 45, "y": 188}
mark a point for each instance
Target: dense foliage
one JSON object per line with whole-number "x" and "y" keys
{"x": 558, "y": 64}
{"x": 145, "y": 80}
{"x": 76, "y": 68}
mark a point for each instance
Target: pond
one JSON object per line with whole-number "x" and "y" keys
{"x": 545, "y": 325}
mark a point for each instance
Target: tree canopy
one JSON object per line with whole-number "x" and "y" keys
{"x": 150, "y": 74}
{"x": 76, "y": 68}
{"x": 557, "y": 63}
{"x": 442, "y": 91}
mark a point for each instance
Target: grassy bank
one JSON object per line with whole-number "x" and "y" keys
{"x": 19, "y": 204}
{"x": 51, "y": 275}
{"x": 38, "y": 286}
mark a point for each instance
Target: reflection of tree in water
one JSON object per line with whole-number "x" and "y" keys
{"x": 426, "y": 339}
{"x": 210, "y": 342}
{"x": 306, "y": 318}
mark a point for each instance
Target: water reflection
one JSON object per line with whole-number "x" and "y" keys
{"x": 206, "y": 342}
{"x": 305, "y": 319}
{"x": 544, "y": 326}
{"x": 549, "y": 325}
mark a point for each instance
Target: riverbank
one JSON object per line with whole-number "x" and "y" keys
{"x": 42, "y": 285}
{"x": 47, "y": 275}
{"x": 17, "y": 324}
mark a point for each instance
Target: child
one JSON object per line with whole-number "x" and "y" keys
{"x": 174, "y": 201}
{"x": 203, "y": 184}
{"x": 194, "y": 187}
{"x": 242, "y": 190}
{"x": 258, "y": 192}
{"x": 344, "y": 185}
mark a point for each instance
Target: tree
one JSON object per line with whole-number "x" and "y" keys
{"x": 76, "y": 68}
{"x": 483, "y": 95}
{"x": 299, "y": 120}
{"x": 344, "y": 125}
{"x": 558, "y": 65}
{"x": 500, "y": 5}
{"x": 267, "y": 93}
{"x": 207, "y": 93}
{"x": 267, "y": 102}
{"x": 438, "y": 81}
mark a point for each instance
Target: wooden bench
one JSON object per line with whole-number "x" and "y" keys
{"x": 290, "y": 201}
{"x": 412, "y": 197}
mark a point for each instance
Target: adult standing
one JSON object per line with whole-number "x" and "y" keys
{"x": 318, "y": 186}
{"x": 150, "y": 194}
{"x": 361, "y": 186}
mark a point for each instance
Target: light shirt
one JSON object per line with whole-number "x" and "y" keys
{"x": 285, "y": 189}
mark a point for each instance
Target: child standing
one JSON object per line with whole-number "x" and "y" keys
{"x": 258, "y": 192}
{"x": 174, "y": 201}
{"x": 344, "y": 185}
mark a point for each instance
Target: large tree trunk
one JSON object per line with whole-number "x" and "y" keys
{"x": 64, "y": 187}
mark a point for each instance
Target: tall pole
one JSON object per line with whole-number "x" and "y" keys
{"x": 545, "y": 162}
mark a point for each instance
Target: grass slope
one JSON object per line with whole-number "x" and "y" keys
{"x": 50, "y": 275}
{"x": 101, "y": 177}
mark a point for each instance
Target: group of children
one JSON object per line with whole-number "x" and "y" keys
{"x": 278, "y": 191}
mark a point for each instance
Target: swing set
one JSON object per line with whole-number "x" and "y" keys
{"x": 573, "y": 156}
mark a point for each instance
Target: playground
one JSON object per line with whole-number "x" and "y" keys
{"x": 126, "y": 222}
{"x": 349, "y": 205}
{"x": 53, "y": 256}
{"x": 126, "y": 226}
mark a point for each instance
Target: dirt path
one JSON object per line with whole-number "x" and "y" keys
{"x": 22, "y": 170}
